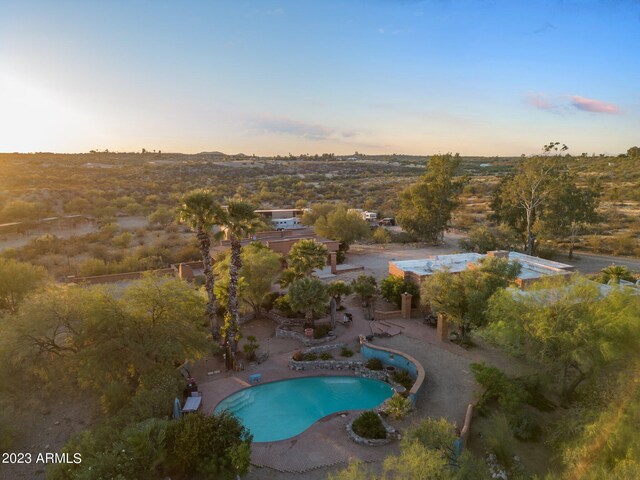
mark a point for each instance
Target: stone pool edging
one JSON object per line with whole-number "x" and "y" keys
{"x": 324, "y": 364}
{"x": 324, "y": 348}
{"x": 420, "y": 373}
{"x": 372, "y": 442}
{"x": 359, "y": 367}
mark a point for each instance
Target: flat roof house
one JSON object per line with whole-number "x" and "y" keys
{"x": 533, "y": 268}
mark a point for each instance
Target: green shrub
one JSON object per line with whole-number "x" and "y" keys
{"x": 499, "y": 439}
{"x": 624, "y": 244}
{"x": 216, "y": 446}
{"x": 381, "y": 235}
{"x": 508, "y": 393}
{"x": 346, "y": 352}
{"x": 393, "y": 287}
{"x": 433, "y": 433}
{"x": 402, "y": 237}
{"x": 283, "y": 305}
{"x": 321, "y": 331}
{"x": 309, "y": 357}
{"x": 403, "y": 378}
{"x": 374, "y": 364}
{"x": 534, "y": 385}
{"x": 368, "y": 425}
{"x": 269, "y": 300}
{"x": 250, "y": 348}
{"x": 525, "y": 426}
{"x": 326, "y": 356}
{"x": 115, "y": 396}
{"x": 398, "y": 406}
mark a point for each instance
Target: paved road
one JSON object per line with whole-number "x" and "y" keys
{"x": 590, "y": 263}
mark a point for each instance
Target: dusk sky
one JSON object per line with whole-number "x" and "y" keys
{"x": 278, "y": 77}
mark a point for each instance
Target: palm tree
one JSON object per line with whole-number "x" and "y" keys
{"x": 304, "y": 257}
{"x": 308, "y": 295}
{"x": 614, "y": 273}
{"x": 239, "y": 221}
{"x": 199, "y": 210}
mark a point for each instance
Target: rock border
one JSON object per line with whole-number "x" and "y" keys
{"x": 284, "y": 332}
{"x": 420, "y": 377}
{"x": 392, "y": 434}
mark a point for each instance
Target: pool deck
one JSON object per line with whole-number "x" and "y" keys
{"x": 448, "y": 390}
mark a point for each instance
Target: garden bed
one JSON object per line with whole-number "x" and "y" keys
{"x": 390, "y": 432}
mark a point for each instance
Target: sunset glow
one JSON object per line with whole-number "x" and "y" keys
{"x": 484, "y": 78}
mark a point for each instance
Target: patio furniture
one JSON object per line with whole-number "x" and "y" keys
{"x": 193, "y": 403}
{"x": 255, "y": 378}
{"x": 347, "y": 318}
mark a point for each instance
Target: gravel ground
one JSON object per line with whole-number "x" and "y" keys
{"x": 449, "y": 385}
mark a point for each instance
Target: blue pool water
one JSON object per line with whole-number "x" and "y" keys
{"x": 279, "y": 410}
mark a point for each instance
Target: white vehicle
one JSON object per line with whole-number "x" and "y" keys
{"x": 286, "y": 223}
{"x": 370, "y": 216}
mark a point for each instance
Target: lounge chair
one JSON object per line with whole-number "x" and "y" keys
{"x": 193, "y": 403}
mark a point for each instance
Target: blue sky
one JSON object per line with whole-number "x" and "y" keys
{"x": 272, "y": 77}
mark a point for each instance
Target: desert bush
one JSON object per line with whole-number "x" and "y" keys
{"x": 508, "y": 393}
{"x": 297, "y": 356}
{"x": 481, "y": 239}
{"x": 433, "y": 433}
{"x": 525, "y": 426}
{"x": 499, "y": 439}
{"x": 321, "y": 331}
{"x": 402, "y": 237}
{"x": 217, "y": 446}
{"x": 346, "y": 352}
{"x": 403, "y": 378}
{"x": 393, "y": 287}
{"x": 250, "y": 348}
{"x": 534, "y": 386}
{"x": 326, "y": 356}
{"x": 381, "y": 235}
{"x": 374, "y": 364}
{"x": 123, "y": 240}
{"x": 284, "y": 307}
{"x": 269, "y": 301}
{"x": 115, "y": 396}
{"x": 463, "y": 221}
{"x": 91, "y": 267}
{"x": 309, "y": 357}
{"x": 398, "y": 406}
{"x": 624, "y": 245}
{"x": 368, "y": 425}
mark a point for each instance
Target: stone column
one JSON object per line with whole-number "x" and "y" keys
{"x": 334, "y": 262}
{"x": 464, "y": 433}
{"x": 406, "y": 305}
{"x": 443, "y": 328}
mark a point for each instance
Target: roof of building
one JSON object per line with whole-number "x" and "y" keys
{"x": 549, "y": 295}
{"x": 532, "y": 267}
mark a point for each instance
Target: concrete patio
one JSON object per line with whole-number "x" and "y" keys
{"x": 448, "y": 390}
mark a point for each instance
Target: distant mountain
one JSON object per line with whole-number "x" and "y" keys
{"x": 211, "y": 153}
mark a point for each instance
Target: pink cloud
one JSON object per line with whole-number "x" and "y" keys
{"x": 591, "y": 105}
{"x": 540, "y": 100}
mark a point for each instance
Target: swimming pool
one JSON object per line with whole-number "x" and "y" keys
{"x": 279, "y": 410}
